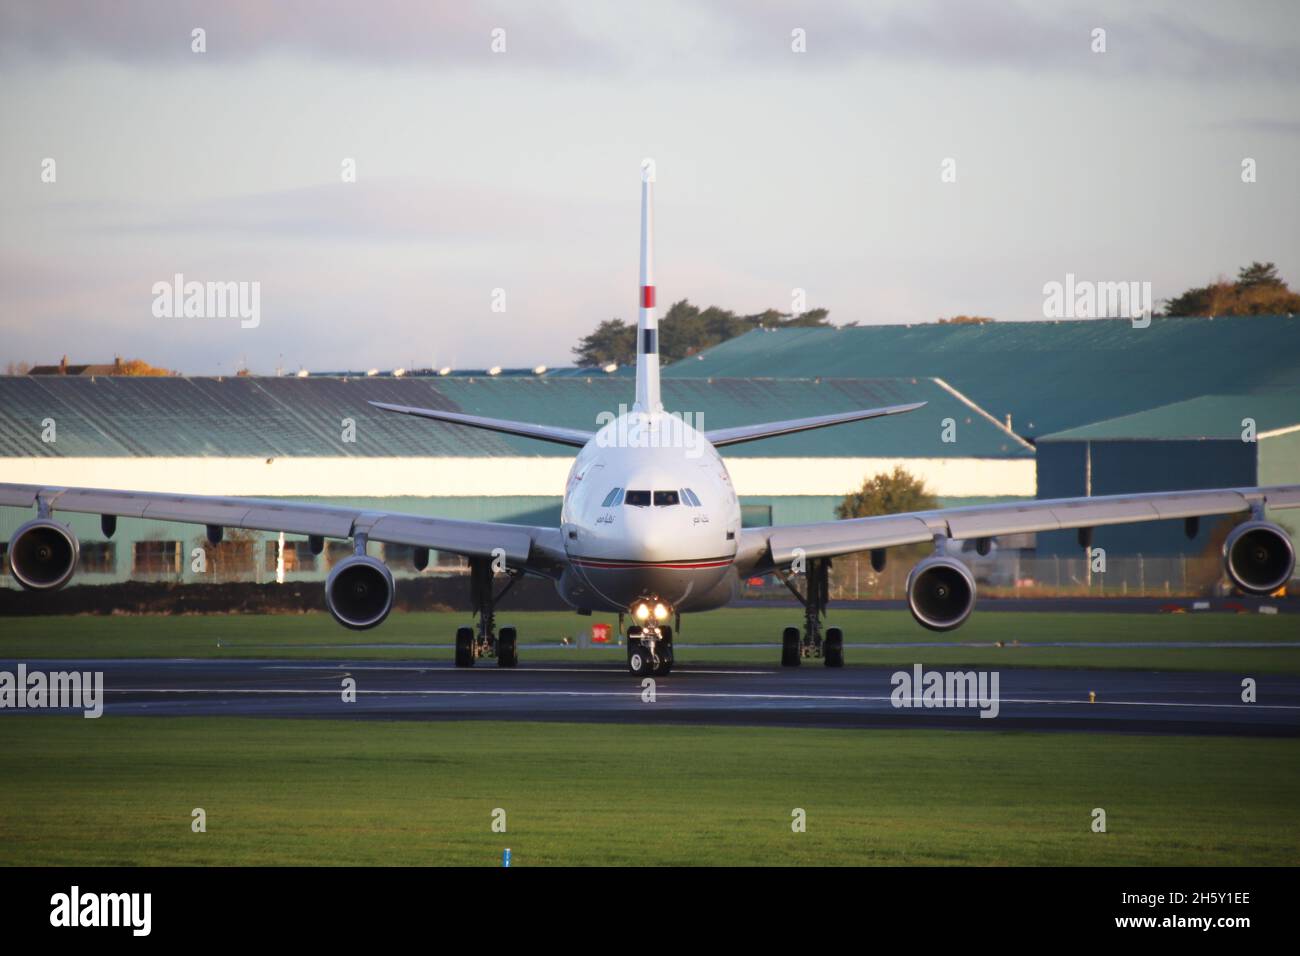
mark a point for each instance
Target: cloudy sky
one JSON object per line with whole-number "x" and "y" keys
{"x": 519, "y": 170}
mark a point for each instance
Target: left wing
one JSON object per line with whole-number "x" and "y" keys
{"x": 572, "y": 437}
{"x": 766, "y": 549}
{"x": 524, "y": 547}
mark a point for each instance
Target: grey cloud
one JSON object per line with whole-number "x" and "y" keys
{"x": 389, "y": 210}
{"x": 1022, "y": 36}
{"x": 436, "y": 33}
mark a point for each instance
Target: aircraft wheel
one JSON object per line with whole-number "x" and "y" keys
{"x": 665, "y": 649}
{"x": 790, "y": 647}
{"x": 639, "y": 661}
{"x": 464, "y": 647}
{"x": 833, "y": 647}
{"x": 507, "y": 647}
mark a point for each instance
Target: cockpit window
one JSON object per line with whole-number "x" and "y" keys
{"x": 640, "y": 499}
{"x": 612, "y": 497}
{"x": 664, "y": 498}
{"x": 691, "y": 498}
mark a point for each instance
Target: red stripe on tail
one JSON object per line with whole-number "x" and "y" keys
{"x": 647, "y": 297}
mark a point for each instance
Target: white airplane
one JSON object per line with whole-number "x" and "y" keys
{"x": 650, "y": 526}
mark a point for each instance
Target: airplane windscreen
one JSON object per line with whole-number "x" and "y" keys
{"x": 640, "y": 499}
{"x": 663, "y": 498}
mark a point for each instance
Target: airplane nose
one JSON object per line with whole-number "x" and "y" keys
{"x": 659, "y": 534}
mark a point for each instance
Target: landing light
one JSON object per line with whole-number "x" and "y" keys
{"x": 661, "y": 613}
{"x": 642, "y": 612}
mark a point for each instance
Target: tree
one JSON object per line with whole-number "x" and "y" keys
{"x": 140, "y": 367}
{"x": 1259, "y": 290}
{"x": 967, "y": 320}
{"x": 684, "y": 330}
{"x": 613, "y": 341}
{"x": 1259, "y": 274}
{"x": 887, "y": 493}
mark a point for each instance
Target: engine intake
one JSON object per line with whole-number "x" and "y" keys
{"x": 359, "y": 592}
{"x": 43, "y": 555}
{"x": 940, "y": 593}
{"x": 1258, "y": 557}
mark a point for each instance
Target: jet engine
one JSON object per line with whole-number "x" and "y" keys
{"x": 1258, "y": 557}
{"x": 940, "y": 593}
{"x": 359, "y": 592}
{"x": 43, "y": 555}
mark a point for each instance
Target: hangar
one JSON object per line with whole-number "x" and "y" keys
{"x": 317, "y": 438}
{"x": 1046, "y": 376}
{"x": 1213, "y": 441}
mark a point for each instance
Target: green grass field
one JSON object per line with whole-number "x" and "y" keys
{"x": 121, "y": 791}
{"x": 410, "y": 636}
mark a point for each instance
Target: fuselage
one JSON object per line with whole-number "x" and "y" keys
{"x": 649, "y": 511}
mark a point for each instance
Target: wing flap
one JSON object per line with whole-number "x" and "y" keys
{"x": 460, "y": 537}
{"x": 815, "y": 540}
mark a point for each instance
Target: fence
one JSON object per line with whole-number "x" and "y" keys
{"x": 1010, "y": 575}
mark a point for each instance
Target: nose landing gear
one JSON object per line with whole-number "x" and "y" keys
{"x": 649, "y": 649}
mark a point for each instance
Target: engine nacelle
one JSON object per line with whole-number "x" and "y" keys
{"x": 43, "y": 554}
{"x": 1258, "y": 557}
{"x": 359, "y": 592}
{"x": 941, "y": 593}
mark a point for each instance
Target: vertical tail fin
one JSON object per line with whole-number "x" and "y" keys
{"x": 647, "y": 327}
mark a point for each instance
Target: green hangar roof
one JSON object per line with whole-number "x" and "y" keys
{"x": 1048, "y": 375}
{"x": 1205, "y": 417}
{"x": 304, "y": 417}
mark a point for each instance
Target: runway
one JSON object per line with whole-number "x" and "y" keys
{"x": 1126, "y": 701}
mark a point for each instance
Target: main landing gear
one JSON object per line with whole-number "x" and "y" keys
{"x": 812, "y": 643}
{"x": 486, "y": 640}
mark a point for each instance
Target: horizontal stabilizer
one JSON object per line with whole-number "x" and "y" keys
{"x": 559, "y": 436}
{"x": 734, "y": 436}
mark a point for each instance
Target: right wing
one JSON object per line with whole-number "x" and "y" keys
{"x": 540, "y": 550}
{"x": 559, "y": 436}
{"x": 765, "y": 549}
{"x": 721, "y": 437}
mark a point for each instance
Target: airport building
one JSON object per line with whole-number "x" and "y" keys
{"x": 1042, "y": 376}
{"x": 317, "y": 438}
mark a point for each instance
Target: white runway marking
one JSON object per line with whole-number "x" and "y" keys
{"x": 636, "y": 693}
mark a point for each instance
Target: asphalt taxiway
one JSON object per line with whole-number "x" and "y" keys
{"x": 1132, "y": 701}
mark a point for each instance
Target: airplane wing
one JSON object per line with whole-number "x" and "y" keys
{"x": 766, "y": 549}
{"x": 573, "y": 437}
{"x": 540, "y": 550}
{"x": 734, "y": 436}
